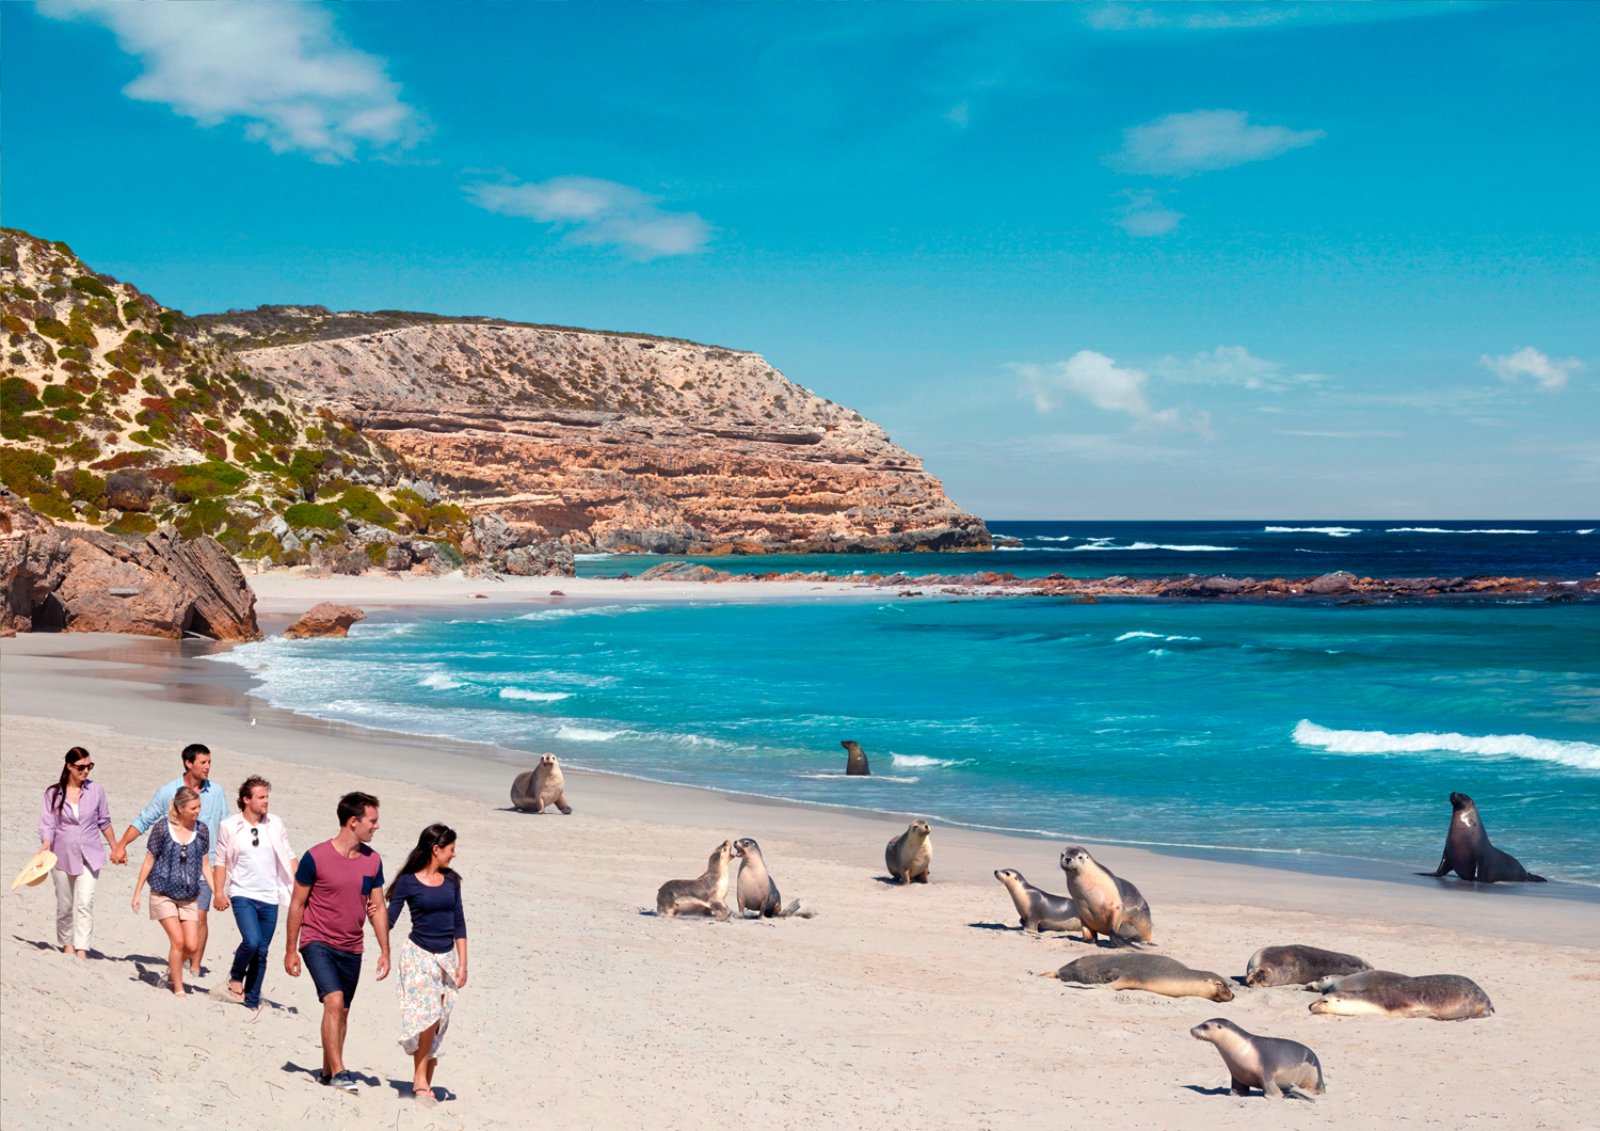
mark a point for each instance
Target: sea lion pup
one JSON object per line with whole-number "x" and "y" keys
{"x": 1367, "y": 979}
{"x": 909, "y": 855}
{"x": 1107, "y": 905}
{"x": 758, "y": 891}
{"x": 1038, "y": 909}
{"x": 1278, "y": 1067}
{"x": 856, "y": 766}
{"x": 1468, "y": 853}
{"x": 543, "y": 785}
{"x": 705, "y": 895}
{"x": 1140, "y": 971}
{"x": 1443, "y": 997}
{"x": 1296, "y": 964}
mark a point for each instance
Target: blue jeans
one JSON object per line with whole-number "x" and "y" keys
{"x": 257, "y": 921}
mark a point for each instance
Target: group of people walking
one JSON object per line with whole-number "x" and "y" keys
{"x": 197, "y": 857}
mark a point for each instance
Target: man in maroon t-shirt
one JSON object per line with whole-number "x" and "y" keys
{"x": 339, "y": 882}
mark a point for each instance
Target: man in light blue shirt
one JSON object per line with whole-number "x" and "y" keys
{"x": 213, "y": 808}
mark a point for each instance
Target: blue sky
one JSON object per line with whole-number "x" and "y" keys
{"x": 1183, "y": 260}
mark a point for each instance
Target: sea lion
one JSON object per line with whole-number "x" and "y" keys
{"x": 543, "y": 785}
{"x": 1443, "y": 997}
{"x": 1038, "y": 909}
{"x": 1140, "y": 971}
{"x": 1277, "y": 1066}
{"x": 705, "y": 895}
{"x": 1468, "y": 853}
{"x": 757, "y": 890}
{"x": 856, "y": 765}
{"x": 1106, "y": 904}
{"x": 1298, "y": 964}
{"x": 1366, "y": 979}
{"x": 909, "y": 855}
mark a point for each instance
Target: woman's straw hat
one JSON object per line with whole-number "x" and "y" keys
{"x": 35, "y": 871}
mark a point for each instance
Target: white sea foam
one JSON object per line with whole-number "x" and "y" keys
{"x": 533, "y": 696}
{"x": 1579, "y": 755}
{"x": 1054, "y": 538}
{"x": 438, "y": 681}
{"x": 1330, "y": 531}
{"x": 922, "y": 761}
{"x": 1158, "y": 652}
{"x": 839, "y": 775}
{"x": 1442, "y": 530}
{"x": 1108, "y": 544}
{"x": 584, "y": 611}
{"x": 586, "y": 734}
{"x": 1140, "y": 635}
{"x": 1586, "y": 530}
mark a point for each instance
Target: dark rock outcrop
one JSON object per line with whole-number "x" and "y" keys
{"x": 325, "y": 619}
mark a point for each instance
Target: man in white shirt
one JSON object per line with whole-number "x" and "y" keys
{"x": 254, "y": 874}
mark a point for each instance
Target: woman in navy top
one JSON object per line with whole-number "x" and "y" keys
{"x": 433, "y": 957}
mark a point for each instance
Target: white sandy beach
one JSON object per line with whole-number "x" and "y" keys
{"x": 906, "y": 1006}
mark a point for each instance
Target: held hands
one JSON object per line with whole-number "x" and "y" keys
{"x": 291, "y": 964}
{"x": 119, "y": 854}
{"x": 221, "y": 901}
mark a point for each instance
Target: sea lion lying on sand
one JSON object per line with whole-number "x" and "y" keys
{"x": 1443, "y": 997}
{"x": 1038, "y": 909}
{"x": 1106, "y": 904}
{"x": 1277, "y": 1066}
{"x": 909, "y": 855}
{"x": 1367, "y": 979}
{"x": 1139, "y": 971}
{"x": 1468, "y": 853}
{"x": 543, "y": 785}
{"x": 1297, "y": 964}
{"x": 705, "y": 895}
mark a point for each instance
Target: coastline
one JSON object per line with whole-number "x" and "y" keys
{"x": 792, "y": 1021}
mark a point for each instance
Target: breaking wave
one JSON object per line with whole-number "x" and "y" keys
{"x": 1579, "y": 755}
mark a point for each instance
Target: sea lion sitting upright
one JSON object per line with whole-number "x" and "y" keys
{"x": 707, "y": 894}
{"x": 1278, "y": 1067}
{"x": 1107, "y": 905}
{"x": 543, "y": 785}
{"x": 1039, "y": 910}
{"x": 757, "y": 890}
{"x": 856, "y": 765}
{"x": 1296, "y": 965}
{"x": 1468, "y": 853}
{"x": 1443, "y": 997}
{"x": 909, "y": 855}
{"x": 1137, "y": 970}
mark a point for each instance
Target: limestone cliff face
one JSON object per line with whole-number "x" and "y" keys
{"x": 609, "y": 440}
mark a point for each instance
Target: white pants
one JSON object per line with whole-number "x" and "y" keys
{"x": 74, "y": 908}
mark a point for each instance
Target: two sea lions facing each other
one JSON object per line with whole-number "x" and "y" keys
{"x": 856, "y": 762}
{"x": 707, "y": 894}
{"x": 1037, "y": 909}
{"x": 1298, "y": 964}
{"x": 1139, "y": 971}
{"x": 909, "y": 855}
{"x": 543, "y": 785}
{"x": 758, "y": 891}
{"x": 1468, "y": 853}
{"x": 1442, "y": 997}
{"x": 1106, "y": 904}
{"x": 1279, "y": 1067}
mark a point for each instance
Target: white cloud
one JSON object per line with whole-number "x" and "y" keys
{"x": 1233, "y": 365}
{"x": 594, "y": 211}
{"x": 1143, "y": 214}
{"x": 1109, "y": 387}
{"x": 1547, "y": 372}
{"x": 281, "y": 69}
{"x": 1202, "y": 140}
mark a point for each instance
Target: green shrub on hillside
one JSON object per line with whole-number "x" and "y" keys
{"x": 26, "y": 473}
{"x": 132, "y": 523}
{"x": 363, "y": 503}
{"x": 89, "y": 285}
{"x": 52, "y": 504}
{"x": 316, "y": 516}
{"x": 60, "y": 396}
{"x": 207, "y": 480}
{"x": 82, "y": 485}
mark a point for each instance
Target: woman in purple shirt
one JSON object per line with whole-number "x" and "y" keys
{"x": 74, "y": 819}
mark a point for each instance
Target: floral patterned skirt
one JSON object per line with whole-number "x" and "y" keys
{"x": 427, "y": 993}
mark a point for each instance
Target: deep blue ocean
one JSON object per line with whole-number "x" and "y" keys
{"x": 1302, "y": 734}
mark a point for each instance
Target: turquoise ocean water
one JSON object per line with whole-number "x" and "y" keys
{"x": 1293, "y": 731}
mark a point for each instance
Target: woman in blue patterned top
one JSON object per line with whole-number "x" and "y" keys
{"x": 433, "y": 958}
{"x": 175, "y": 867}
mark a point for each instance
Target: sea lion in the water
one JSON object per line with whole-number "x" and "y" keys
{"x": 707, "y": 894}
{"x": 856, "y": 765}
{"x": 909, "y": 855}
{"x": 1366, "y": 979}
{"x": 1277, "y": 1066}
{"x": 1106, "y": 904}
{"x": 1137, "y": 970}
{"x": 1443, "y": 997}
{"x": 1038, "y": 909}
{"x": 1468, "y": 853}
{"x": 1298, "y": 964}
{"x": 758, "y": 891}
{"x": 543, "y": 785}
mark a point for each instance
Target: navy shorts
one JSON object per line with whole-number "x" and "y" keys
{"x": 332, "y": 971}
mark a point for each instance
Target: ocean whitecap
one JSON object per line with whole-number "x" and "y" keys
{"x": 533, "y": 696}
{"x": 1579, "y": 755}
{"x": 1330, "y": 531}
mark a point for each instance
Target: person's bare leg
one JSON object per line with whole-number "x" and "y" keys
{"x": 421, "y": 1069}
{"x": 333, "y": 1024}
{"x": 175, "y": 953}
{"x": 200, "y": 947}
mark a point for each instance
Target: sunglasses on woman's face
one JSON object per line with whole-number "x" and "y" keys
{"x": 84, "y": 766}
